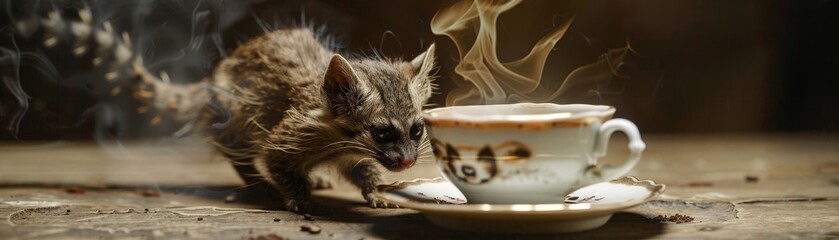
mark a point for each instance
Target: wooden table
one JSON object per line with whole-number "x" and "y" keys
{"x": 734, "y": 186}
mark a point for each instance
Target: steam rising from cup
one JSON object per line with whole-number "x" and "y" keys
{"x": 472, "y": 27}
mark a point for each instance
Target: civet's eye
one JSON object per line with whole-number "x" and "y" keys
{"x": 416, "y": 131}
{"x": 383, "y": 134}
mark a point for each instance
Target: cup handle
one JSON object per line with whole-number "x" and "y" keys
{"x": 636, "y": 146}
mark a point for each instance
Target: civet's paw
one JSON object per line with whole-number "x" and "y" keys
{"x": 297, "y": 205}
{"x": 375, "y": 202}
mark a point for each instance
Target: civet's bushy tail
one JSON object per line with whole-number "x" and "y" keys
{"x": 122, "y": 68}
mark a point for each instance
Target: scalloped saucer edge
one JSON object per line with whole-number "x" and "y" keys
{"x": 584, "y": 209}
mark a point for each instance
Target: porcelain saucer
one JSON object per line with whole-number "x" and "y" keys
{"x": 586, "y": 208}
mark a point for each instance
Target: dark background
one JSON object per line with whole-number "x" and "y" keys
{"x": 702, "y": 66}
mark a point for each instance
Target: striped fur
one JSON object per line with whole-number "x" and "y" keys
{"x": 278, "y": 106}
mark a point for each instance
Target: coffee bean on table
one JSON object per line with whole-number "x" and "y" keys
{"x": 310, "y": 229}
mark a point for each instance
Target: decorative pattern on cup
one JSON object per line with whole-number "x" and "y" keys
{"x": 483, "y": 167}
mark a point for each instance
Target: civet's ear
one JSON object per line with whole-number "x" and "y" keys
{"x": 342, "y": 86}
{"x": 513, "y": 151}
{"x": 423, "y": 67}
{"x": 424, "y": 62}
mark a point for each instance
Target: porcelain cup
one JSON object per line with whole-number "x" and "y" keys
{"x": 526, "y": 153}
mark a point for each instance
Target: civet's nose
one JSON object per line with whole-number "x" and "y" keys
{"x": 406, "y": 163}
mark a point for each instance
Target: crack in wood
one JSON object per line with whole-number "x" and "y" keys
{"x": 785, "y": 200}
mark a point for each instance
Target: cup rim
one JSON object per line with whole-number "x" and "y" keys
{"x": 520, "y": 121}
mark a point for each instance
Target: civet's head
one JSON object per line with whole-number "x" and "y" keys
{"x": 377, "y": 103}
